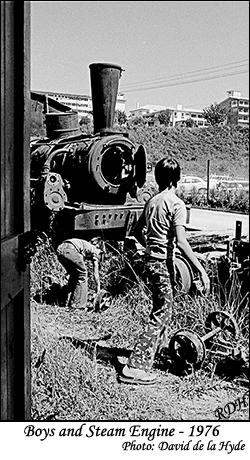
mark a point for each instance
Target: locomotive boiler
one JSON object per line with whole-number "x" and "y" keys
{"x": 86, "y": 181}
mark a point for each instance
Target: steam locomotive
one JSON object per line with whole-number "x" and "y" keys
{"x": 86, "y": 179}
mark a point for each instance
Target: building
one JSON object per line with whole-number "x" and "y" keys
{"x": 146, "y": 110}
{"x": 81, "y": 103}
{"x": 178, "y": 115}
{"x": 237, "y": 108}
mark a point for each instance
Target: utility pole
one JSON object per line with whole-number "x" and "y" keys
{"x": 208, "y": 179}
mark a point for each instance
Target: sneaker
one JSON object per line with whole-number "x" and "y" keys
{"x": 136, "y": 376}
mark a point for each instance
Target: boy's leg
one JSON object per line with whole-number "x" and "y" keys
{"x": 144, "y": 351}
{"x": 79, "y": 295}
{"x": 73, "y": 261}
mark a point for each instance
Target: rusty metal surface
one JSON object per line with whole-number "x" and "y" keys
{"x": 188, "y": 347}
{"x": 60, "y": 124}
{"x": 227, "y": 327}
{"x": 184, "y": 273}
{"x": 106, "y": 218}
{"x": 104, "y": 79}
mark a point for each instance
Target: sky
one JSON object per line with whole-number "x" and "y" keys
{"x": 188, "y": 53}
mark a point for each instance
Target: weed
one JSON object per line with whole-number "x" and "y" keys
{"x": 74, "y": 372}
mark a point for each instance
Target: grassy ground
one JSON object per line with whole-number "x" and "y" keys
{"x": 74, "y": 377}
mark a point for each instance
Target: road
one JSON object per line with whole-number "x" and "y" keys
{"x": 217, "y": 222}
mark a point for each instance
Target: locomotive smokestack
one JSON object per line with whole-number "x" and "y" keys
{"x": 104, "y": 86}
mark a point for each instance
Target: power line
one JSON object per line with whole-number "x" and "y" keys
{"x": 183, "y": 82}
{"x": 186, "y": 74}
{"x": 191, "y": 72}
{"x": 195, "y": 73}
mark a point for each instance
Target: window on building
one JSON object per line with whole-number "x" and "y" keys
{"x": 233, "y": 103}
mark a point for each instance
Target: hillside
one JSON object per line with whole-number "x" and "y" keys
{"x": 227, "y": 148}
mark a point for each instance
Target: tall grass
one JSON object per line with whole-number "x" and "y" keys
{"x": 221, "y": 199}
{"x": 75, "y": 378}
{"x": 225, "y": 200}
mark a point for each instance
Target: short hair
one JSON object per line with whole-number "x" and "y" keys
{"x": 167, "y": 173}
{"x": 98, "y": 243}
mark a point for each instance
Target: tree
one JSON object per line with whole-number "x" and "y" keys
{"x": 86, "y": 124}
{"x": 120, "y": 117}
{"x": 136, "y": 121}
{"x": 215, "y": 114}
{"x": 190, "y": 123}
{"x": 164, "y": 117}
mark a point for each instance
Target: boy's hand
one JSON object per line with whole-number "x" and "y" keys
{"x": 205, "y": 281}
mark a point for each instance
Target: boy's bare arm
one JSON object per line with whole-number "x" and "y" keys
{"x": 96, "y": 274}
{"x": 138, "y": 231}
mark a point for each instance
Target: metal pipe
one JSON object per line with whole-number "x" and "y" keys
{"x": 104, "y": 85}
{"x": 46, "y": 166}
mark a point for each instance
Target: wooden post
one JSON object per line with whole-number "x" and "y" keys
{"x": 208, "y": 179}
{"x": 15, "y": 210}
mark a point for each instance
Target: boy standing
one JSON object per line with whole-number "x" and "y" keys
{"x": 164, "y": 217}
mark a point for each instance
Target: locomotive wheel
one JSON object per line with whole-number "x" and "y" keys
{"x": 227, "y": 323}
{"x": 187, "y": 347}
{"x": 103, "y": 300}
{"x": 184, "y": 274}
